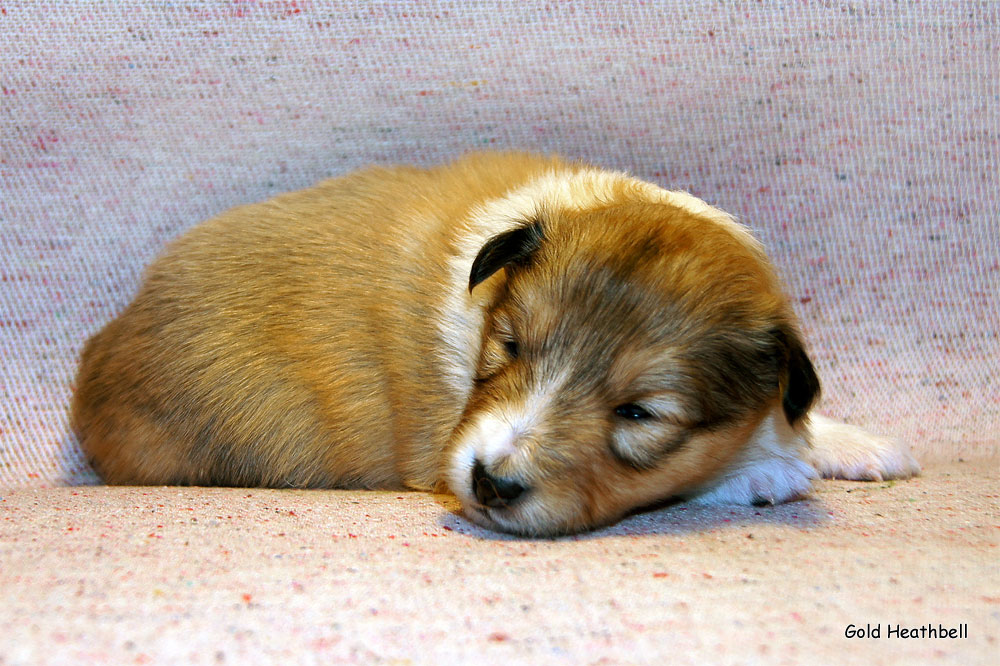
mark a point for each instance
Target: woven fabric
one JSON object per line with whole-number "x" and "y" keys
{"x": 859, "y": 141}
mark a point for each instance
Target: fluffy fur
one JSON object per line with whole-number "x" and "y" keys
{"x": 555, "y": 344}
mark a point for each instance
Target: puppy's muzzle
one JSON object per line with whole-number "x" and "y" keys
{"x": 494, "y": 491}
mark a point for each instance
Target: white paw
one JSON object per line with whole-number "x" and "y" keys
{"x": 842, "y": 451}
{"x": 768, "y": 481}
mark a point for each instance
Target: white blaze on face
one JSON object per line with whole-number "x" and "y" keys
{"x": 497, "y": 435}
{"x": 490, "y": 438}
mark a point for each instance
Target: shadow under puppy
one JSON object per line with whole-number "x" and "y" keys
{"x": 555, "y": 344}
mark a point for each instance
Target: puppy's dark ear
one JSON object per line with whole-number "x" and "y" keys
{"x": 511, "y": 248}
{"x": 800, "y": 385}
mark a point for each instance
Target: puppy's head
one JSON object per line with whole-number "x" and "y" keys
{"x": 629, "y": 353}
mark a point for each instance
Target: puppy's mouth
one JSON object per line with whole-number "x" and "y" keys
{"x": 498, "y": 519}
{"x": 502, "y": 501}
{"x": 526, "y": 517}
{"x": 481, "y": 515}
{"x": 494, "y": 503}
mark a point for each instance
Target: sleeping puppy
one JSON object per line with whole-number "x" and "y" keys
{"x": 555, "y": 344}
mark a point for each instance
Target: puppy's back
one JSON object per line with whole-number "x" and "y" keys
{"x": 292, "y": 342}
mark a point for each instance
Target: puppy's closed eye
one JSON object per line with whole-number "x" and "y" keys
{"x": 663, "y": 409}
{"x": 649, "y": 429}
{"x": 631, "y": 411}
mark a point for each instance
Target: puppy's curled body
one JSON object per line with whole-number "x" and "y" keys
{"x": 555, "y": 344}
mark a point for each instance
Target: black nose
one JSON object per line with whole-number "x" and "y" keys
{"x": 493, "y": 491}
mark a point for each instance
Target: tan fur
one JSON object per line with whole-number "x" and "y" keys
{"x": 328, "y": 338}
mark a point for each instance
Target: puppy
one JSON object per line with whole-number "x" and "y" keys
{"x": 555, "y": 344}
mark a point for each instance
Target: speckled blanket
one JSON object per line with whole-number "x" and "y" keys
{"x": 113, "y": 575}
{"x": 858, "y": 140}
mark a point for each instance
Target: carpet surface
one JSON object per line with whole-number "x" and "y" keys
{"x": 234, "y": 576}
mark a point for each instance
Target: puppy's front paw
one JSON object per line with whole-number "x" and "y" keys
{"x": 842, "y": 451}
{"x": 761, "y": 482}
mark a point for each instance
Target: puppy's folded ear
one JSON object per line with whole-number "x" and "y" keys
{"x": 511, "y": 248}
{"x": 800, "y": 385}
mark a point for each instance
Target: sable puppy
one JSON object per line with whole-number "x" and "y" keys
{"x": 555, "y": 344}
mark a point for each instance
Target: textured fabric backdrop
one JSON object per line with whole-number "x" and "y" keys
{"x": 859, "y": 140}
